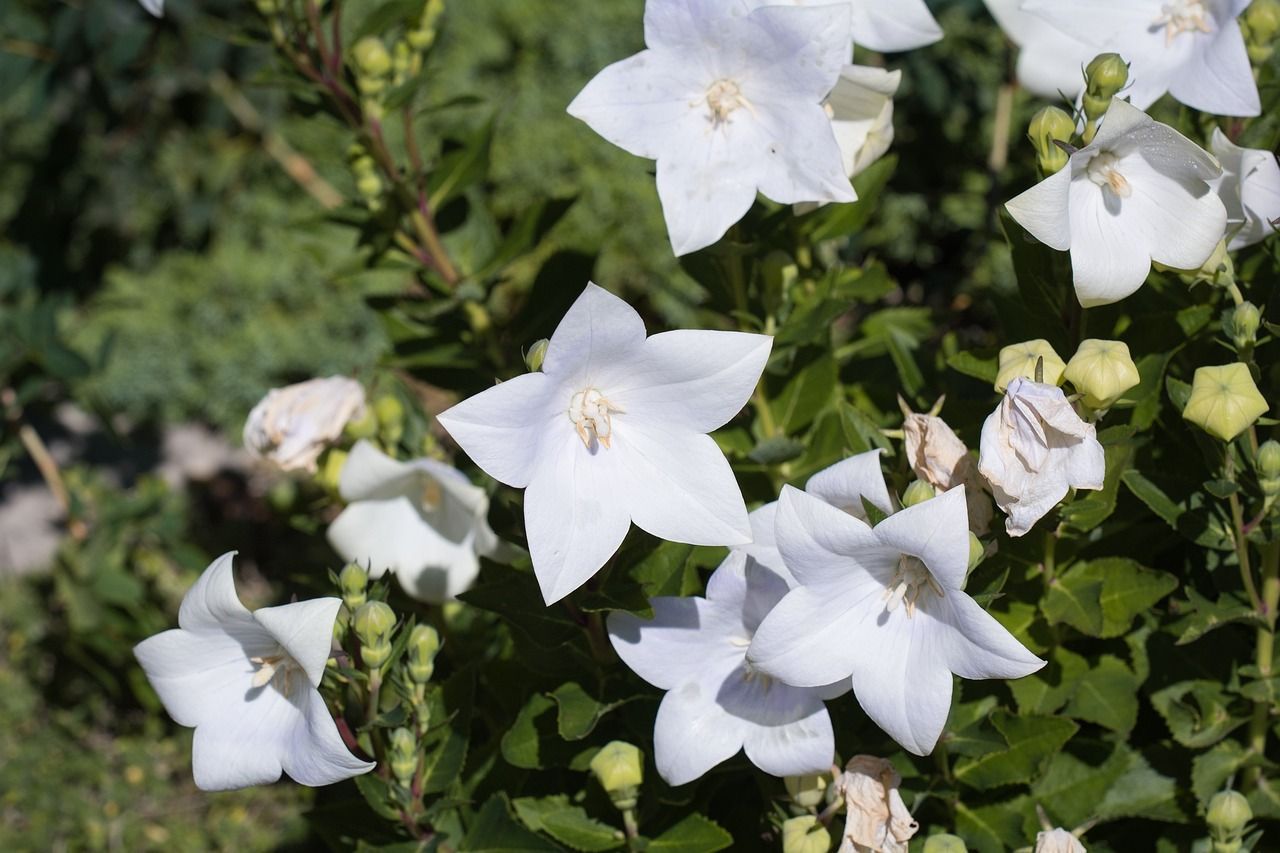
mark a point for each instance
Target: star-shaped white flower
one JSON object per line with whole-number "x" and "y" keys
{"x": 1050, "y": 62}
{"x": 889, "y": 26}
{"x": 1034, "y": 448}
{"x": 1139, "y": 192}
{"x": 1250, "y": 189}
{"x": 1192, "y": 49}
{"x": 422, "y": 520}
{"x": 247, "y": 683}
{"x": 886, "y": 607}
{"x": 728, "y": 103}
{"x": 716, "y": 704}
{"x": 614, "y": 430}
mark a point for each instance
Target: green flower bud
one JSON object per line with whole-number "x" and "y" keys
{"x": 424, "y": 644}
{"x": 805, "y": 834}
{"x": 390, "y": 413}
{"x": 807, "y": 792}
{"x": 404, "y": 756}
{"x": 369, "y": 186}
{"x": 917, "y": 493}
{"x": 1269, "y": 468}
{"x": 943, "y": 843}
{"x": 1224, "y": 400}
{"x": 1048, "y": 127}
{"x": 354, "y": 581}
{"x": 1105, "y": 76}
{"x": 1228, "y": 815}
{"x": 1241, "y": 325}
{"x": 1021, "y": 360}
{"x": 282, "y": 494}
{"x": 330, "y": 473}
{"x": 1102, "y": 371}
{"x": 371, "y": 58}
{"x": 374, "y": 623}
{"x": 976, "y": 551}
{"x": 1262, "y": 25}
{"x": 364, "y": 425}
{"x": 537, "y": 353}
{"x": 266, "y": 8}
{"x": 619, "y": 768}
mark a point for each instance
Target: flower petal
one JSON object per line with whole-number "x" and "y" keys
{"x": 1179, "y": 221}
{"x": 1221, "y": 82}
{"x": 809, "y": 639}
{"x": 803, "y": 50}
{"x": 692, "y": 733}
{"x": 501, "y": 428}
{"x": 891, "y": 26}
{"x": 800, "y": 741}
{"x": 192, "y": 673}
{"x": 704, "y": 189}
{"x": 936, "y": 531}
{"x": 846, "y": 483}
{"x": 687, "y": 639}
{"x": 212, "y": 603}
{"x": 597, "y": 336}
{"x": 1107, "y": 262}
{"x": 746, "y": 588}
{"x": 822, "y": 545}
{"x": 316, "y": 755}
{"x": 392, "y": 536}
{"x": 1044, "y": 210}
{"x": 763, "y": 547}
{"x": 975, "y": 644}
{"x": 304, "y": 629}
{"x": 805, "y": 163}
{"x": 242, "y": 745}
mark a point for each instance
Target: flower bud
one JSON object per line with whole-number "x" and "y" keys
{"x": 266, "y": 8}
{"x": 404, "y": 756}
{"x": 364, "y": 426}
{"x": 1228, "y": 815}
{"x": 537, "y": 353}
{"x": 331, "y": 469}
{"x": 1021, "y": 360}
{"x": 804, "y": 834}
{"x": 619, "y": 768}
{"x": 1269, "y": 468}
{"x": 371, "y": 58}
{"x": 807, "y": 792}
{"x": 424, "y": 644}
{"x": 369, "y": 186}
{"x": 1102, "y": 371}
{"x": 374, "y": 623}
{"x": 944, "y": 843}
{"x": 1241, "y": 325}
{"x": 1105, "y": 76}
{"x": 1262, "y": 25}
{"x": 390, "y": 412}
{"x": 917, "y": 493}
{"x": 354, "y": 581}
{"x": 976, "y": 551}
{"x": 1224, "y": 400}
{"x": 1048, "y": 127}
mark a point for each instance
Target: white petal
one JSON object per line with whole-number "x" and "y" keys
{"x": 155, "y": 7}
{"x": 746, "y": 588}
{"x": 1221, "y": 82}
{"x": 1050, "y": 62}
{"x": 704, "y": 190}
{"x": 789, "y": 730}
{"x": 370, "y": 473}
{"x": 243, "y": 744}
{"x": 763, "y": 547}
{"x": 1180, "y": 221}
{"x": 1107, "y": 262}
{"x": 891, "y": 26}
{"x": 692, "y": 733}
{"x": 846, "y": 483}
{"x": 316, "y": 755}
{"x": 304, "y": 629}
{"x": 595, "y": 343}
{"x": 822, "y": 545}
{"x": 212, "y": 604}
{"x": 193, "y": 673}
{"x": 501, "y": 428}
{"x": 810, "y": 638}
{"x": 692, "y": 379}
{"x": 936, "y": 531}
{"x": 804, "y": 162}
{"x": 686, "y": 640}
{"x": 678, "y": 486}
{"x": 575, "y": 514}
{"x": 792, "y": 55}
{"x": 686, "y": 26}
{"x": 1044, "y": 210}
{"x": 976, "y": 645}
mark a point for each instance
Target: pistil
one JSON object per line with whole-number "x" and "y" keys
{"x": 591, "y": 414}
{"x": 909, "y": 580}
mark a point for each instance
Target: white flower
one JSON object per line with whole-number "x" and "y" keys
{"x": 716, "y": 704}
{"x": 876, "y": 818}
{"x": 889, "y": 26}
{"x": 155, "y": 7}
{"x": 861, "y": 110}
{"x": 1058, "y": 841}
{"x": 1050, "y": 62}
{"x": 1192, "y": 49}
{"x": 1137, "y": 193}
{"x": 614, "y": 430}
{"x": 1035, "y": 447}
{"x": 938, "y": 456}
{"x": 728, "y": 103}
{"x": 247, "y": 683}
{"x": 422, "y": 520}
{"x": 886, "y": 607}
{"x": 292, "y": 426}
{"x": 1250, "y": 189}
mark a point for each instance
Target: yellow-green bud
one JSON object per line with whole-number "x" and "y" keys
{"x": 365, "y": 425}
{"x": 917, "y": 493}
{"x": 374, "y": 623}
{"x": 944, "y": 843}
{"x": 1020, "y": 360}
{"x": 401, "y": 61}
{"x": 1262, "y": 25}
{"x": 354, "y": 581}
{"x": 363, "y": 165}
{"x": 1105, "y": 76}
{"x": 1228, "y": 815}
{"x": 390, "y": 411}
{"x": 976, "y": 551}
{"x": 369, "y": 186}
{"x": 536, "y": 355}
{"x": 266, "y": 8}
{"x": 1049, "y": 126}
{"x": 1241, "y": 325}
{"x": 282, "y": 494}
{"x": 371, "y": 57}
{"x": 804, "y": 834}
{"x": 619, "y": 768}
{"x": 424, "y": 644}
{"x": 807, "y": 792}
{"x": 1269, "y": 468}
{"x": 1224, "y": 400}
{"x": 1102, "y": 371}
{"x": 1218, "y": 269}
{"x": 331, "y": 468}
{"x": 404, "y": 756}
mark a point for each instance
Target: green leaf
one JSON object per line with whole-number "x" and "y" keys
{"x": 1031, "y": 742}
{"x": 446, "y": 741}
{"x": 1151, "y": 495}
{"x": 1207, "y": 615}
{"x": 995, "y": 828}
{"x": 1046, "y": 691}
{"x": 377, "y": 793}
{"x": 1107, "y": 694}
{"x": 861, "y": 432}
{"x": 1101, "y": 598}
{"x": 1087, "y": 512}
{"x": 1140, "y": 791}
{"x": 806, "y": 393}
{"x": 1074, "y": 600}
{"x": 494, "y": 830}
{"x": 521, "y": 743}
{"x": 666, "y": 570}
{"x": 1197, "y": 712}
{"x": 694, "y": 834}
{"x": 981, "y": 365}
{"x": 568, "y": 824}
{"x": 579, "y": 713}
{"x": 776, "y": 450}
{"x": 1210, "y": 770}
{"x": 506, "y": 592}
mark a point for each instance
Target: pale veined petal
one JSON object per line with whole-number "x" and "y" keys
{"x": 810, "y": 638}
{"x": 1179, "y": 221}
{"x": 1221, "y": 82}
{"x": 822, "y": 545}
{"x": 196, "y": 675}
{"x": 501, "y": 428}
{"x": 687, "y": 639}
{"x": 304, "y": 629}
{"x": 846, "y": 483}
{"x": 599, "y": 334}
{"x": 936, "y": 531}
{"x": 315, "y": 754}
{"x": 692, "y": 733}
{"x": 891, "y": 26}
{"x": 1108, "y": 262}
{"x": 212, "y": 602}
{"x": 975, "y": 644}
{"x": 1044, "y": 210}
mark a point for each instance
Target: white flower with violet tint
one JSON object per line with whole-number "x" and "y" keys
{"x": 728, "y": 103}
{"x": 1050, "y": 62}
{"x": 247, "y": 683}
{"x": 876, "y": 818}
{"x": 292, "y": 426}
{"x": 716, "y": 704}
{"x": 1139, "y": 192}
{"x": 886, "y": 608}
{"x": 888, "y": 26}
{"x": 1034, "y": 448}
{"x": 614, "y": 430}
{"x": 1250, "y": 189}
{"x": 1058, "y": 841}
{"x": 155, "y": 7}
{"x": 424, "y": 521}
{"x": 1192, "y": 49}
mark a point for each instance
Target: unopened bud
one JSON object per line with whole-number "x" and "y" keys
{"x": 1262, "y": 25}
{"x": 619, "y": 768}
{"x": 365, "y": 425}
{"x": 1218, "y": 269}
{"x": 330, "y": 473}
{"x": 266, "y": 8}
{"x": 917, "y": 493}
{"x": 374, "y": 623}
{"x": 1105, "y": 76}
{"x": 976, "y": 551}
{"x": 424, "y": 644}
{"x": 369, "y": 186}
{"x": 1241, "y": 325}
{"x": 805, "y": 834}
{"x": 1229, "y": 813}
{"x": 1224, "y": 400}
{"x": 1269, "y": 468}
{"x": 1024, "y": 361}
{"x": 390, "y": 412}
{"x": 1049, "y": 127}
{"x": 1102, "y": 371}
{"x": 809, "y": 791}
{"x": 404, "y": 756}
{"x": 371, "y": 57}
{"x": 354, "y": 581}
{"x": 536, "y": 355}
{"x": 944, "y": 843}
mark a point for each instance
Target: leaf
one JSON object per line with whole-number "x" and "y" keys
{"x": 1100, "y": 598}
{"x": 982, "y": 367}
{"x": 1210, "y": 770}
{"x": 446, "y": 742}
{"x": 1074, "y": 600}
{"x": 377, "y": 793}
{"x": 1073, "y": 790}
{"x": 1140, "y": 792}
{"x": 667, "y": 571}
{"x": 1086, "y": 513}
{"x": 1046, "y": 691}
{"x": 1031, "y": 742}
{"x": 1210, "y": 615}
{"x": 506, "y": 592}
{"x": 494, "y": 830}
{"x": 994, "y": 828}
{"x": 806, "y": 394}
{"x": 776, "y": 450}
{"x": 694, "y": 834}
{"x": 1151, "y": 495}
{"x": 568, "y": 824}
{"x": 861, "y": 432}
{"x": 579, "y": 713}
{"x": 1107, "y": 694}
{"x": 1196, "y": 712}
{"x": 520, "y": 744}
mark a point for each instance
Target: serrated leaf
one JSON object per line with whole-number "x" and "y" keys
{"x": 1153, "y": 496}
{"x": 1140, "y": 792}
{"x": 807, "y": 392}
{"x": 1101, "y": 598}
{"x": 694, "y": 834}
{"x": 981, "y": 365}
{"x": 568, "y": 824}
{"x": 1106, "y": 694}
{"x": 578, "y": 712}
{"x": 666, "y": 570}
{"x": 1074, "y": 600}
{"x": 1046, "y": 691}
{"x": 1197, "y": 712}
{"x": 1210, "y": 770}
{"x": 1209, "y": 615}
{"x": 1030, "y": 742}
{"x": 446, "y": 741}
{"x": 494, "y": 830}
{"x": 995, "y": 828}
{"x": 377, "y": 793}
{"x": 1094, "y": 507}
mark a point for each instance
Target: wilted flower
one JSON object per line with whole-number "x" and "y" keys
{"x": 1049, "y": 60}
{"x": 1224, "y": 400}
{"x": 728, "y": 103}
{"x": 1139, "y": 192}
{"x": 1034, "y": 448}
{"x": 884, "y": 609}
{"x": 614, "y": 430}
{"x": 1102, "y": 371}
{"x": 938, "y": 456}
{"x": 247, "y": 683}
{"x": 1250, "y": 189}
{"x": 423, "y": 520}
{"x": 292, "y": 426}
{"x": 1192, "y": 49}
{"x": 716, "y": 702}
{"x": 1058, "y": 841}
{"x": 876, "y": 818}
{"x": 1029, "y": 360}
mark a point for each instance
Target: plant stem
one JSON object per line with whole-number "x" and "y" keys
{"x": 632, "y": 829}
{"x": 1238, "y": 534}
{"x": 1265, "y": 652}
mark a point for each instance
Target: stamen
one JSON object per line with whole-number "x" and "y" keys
{"x": 1102, "y": 170}
{"x": 723, "y": 97}
{"x": 1183, "y": 16}
{"x": 909, "y": 580}
{"x": 591, "y": 414}
{"x": 270, "y": 666}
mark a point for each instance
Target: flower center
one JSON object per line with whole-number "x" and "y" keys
{"x": 1103, "y": 172}
{"x": 909, "y": 580}
{"x": 1183, "y": 16}
{"x": 274, "y": 666}
{"x": 723, "y": 97}
{"x": 591, "y": 415}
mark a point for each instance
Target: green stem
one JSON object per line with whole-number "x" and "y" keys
{"x": 632, "y": 828}
{"x": 1238, "y": 534}
{"x": 1265, "y": 653}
